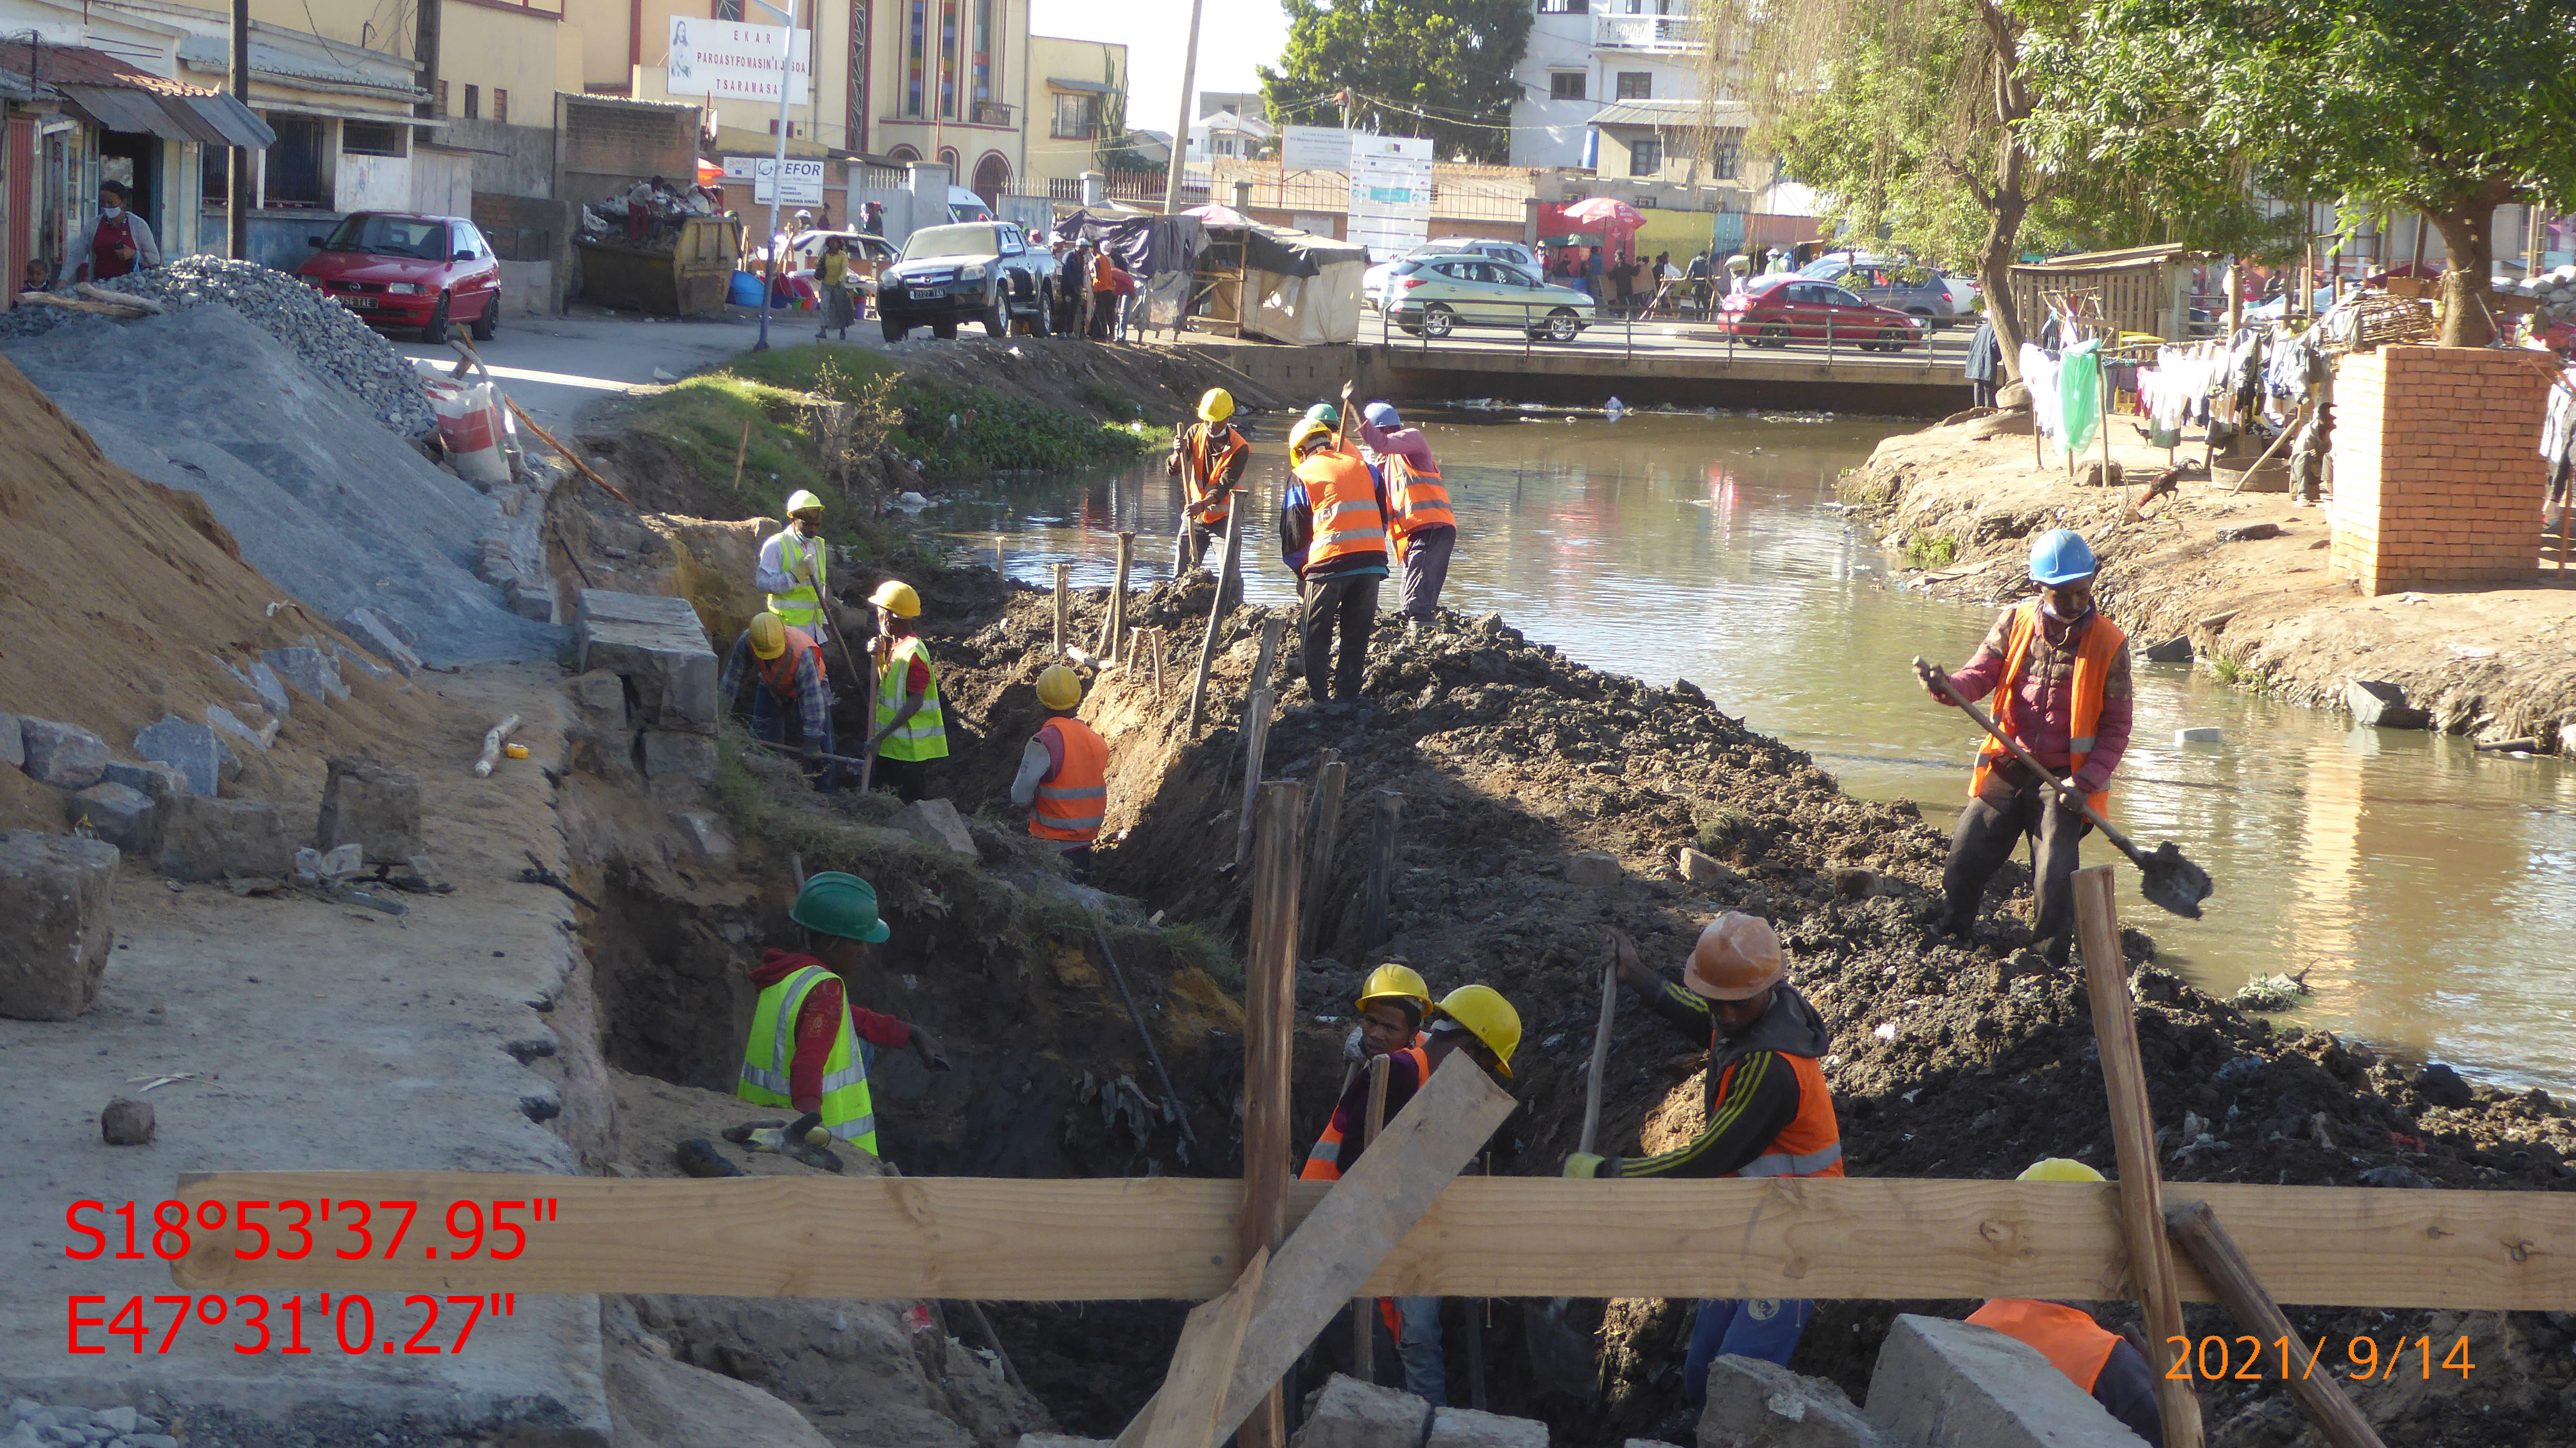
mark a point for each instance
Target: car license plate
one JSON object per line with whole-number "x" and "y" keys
{"x": 362, "y": 304}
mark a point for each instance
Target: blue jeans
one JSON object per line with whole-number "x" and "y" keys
{"x": 770, "y": 718}
{"x": 1761, "y": 1327}
{"x": 1426, "y": 1373}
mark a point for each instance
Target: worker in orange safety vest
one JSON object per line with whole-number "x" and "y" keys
{"x": 1064, "y": 773}
{"x": 1424, "y": 528}
{"x": 2112, "y": 1366}
{"x": 1209, "y": 457}
{"x": 1332, "y": 531}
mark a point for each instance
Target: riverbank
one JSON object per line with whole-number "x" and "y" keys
{"x": 2241, "y": 578}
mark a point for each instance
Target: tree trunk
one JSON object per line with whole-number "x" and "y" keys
{"x": 1994, "y": 264}
{"x": 2468, "y": 247}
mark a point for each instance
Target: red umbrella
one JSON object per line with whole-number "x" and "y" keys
{"x": 1606, "y": 212}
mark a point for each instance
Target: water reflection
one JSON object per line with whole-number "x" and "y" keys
{"x": 2428, "y": 891}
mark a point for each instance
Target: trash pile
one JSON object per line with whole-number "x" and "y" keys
{"x": 646, "y": 215}
{"x": 327, "y": 337}
{"x": 2555, "y": 290}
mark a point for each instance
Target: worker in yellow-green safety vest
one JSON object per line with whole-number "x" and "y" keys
{"x": 908, "y": 730}
{"x": 793, "y": 567}
{"x": 809, "y": 1048}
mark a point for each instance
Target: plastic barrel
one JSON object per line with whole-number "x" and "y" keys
{"x": 744, "y": 291}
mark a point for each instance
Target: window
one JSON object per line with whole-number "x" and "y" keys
{"x": 1723, "y": 162}
{"x": 916, "y": 40}
{"x": 1565, "y": 85}
{"x": 473, "y": 103}
{"x": 1636, "y": 85}
{"x": 948, "y": 42}
{"x": 948, "y": 158}
{"x": 1564, "y": 7}
{"x": 371, "y": 138}
{"x": 500, "y": 106}
{"x": 1072, "y": 117}
{"x": 903, "y": 155}
{"x": 725, "y": 10}
{"x": 1645, "y": 155}
{"x": 442, "y": 98}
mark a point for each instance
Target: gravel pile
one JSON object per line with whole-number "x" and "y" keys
{"x": 328, "y": 337}
{"x": 33, "y": 1425}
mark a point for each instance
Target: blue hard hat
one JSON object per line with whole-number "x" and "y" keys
{"x": 1381, "y": 414}
{"x": 2061, "y": 556}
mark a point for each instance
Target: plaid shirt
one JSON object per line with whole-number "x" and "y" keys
{"x": 2044, "y": 703}
{"x": 813, "y": 700}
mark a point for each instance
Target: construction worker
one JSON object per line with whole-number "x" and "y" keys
{"x": 910, "y": 729}
{"x": 809, "y": 1049}
{"x": 1209, "y": 457}
{"x": 1064, "y": 773}
{"x": 2111, "y": 1366}
{"x": 789, "y": 666}
{"x": 1332, "y": 531}
{"x": 1770, "y": 1113}
{"x": 1392, "y": 1003}
{"x": 793, "y": 567}
{"x": 1424, "y": 530}
{"x": 2059, "y": 672}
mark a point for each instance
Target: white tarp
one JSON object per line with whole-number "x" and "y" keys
{"x": 1306, "y": 311}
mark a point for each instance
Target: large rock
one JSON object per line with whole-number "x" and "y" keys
{"x": 1468, "y": 1428}
{"x": 207, "y": 839}
{"x": 116, "y": 813}
{"x": 1945, "y": 1384}
{"x": 656, "y": 1402}
{"x": 153, "y": 779}
{"x": 13, "y": 743}
{"x": 2383, "y": 706}
{"x": 1702, "y": 869}
{"x": 686, "y": 756}
{"x": 315, "y": 672}
{"x": 374, "y": 631}
{"x": 937, "y": 824}
{"x": 2175, "y": 650}
{"x": 263, "y": 682}
{"x": 1594, "y": 870}
{"x": 56, "y": 892}
{"x": 1757, "y": 1404}
{"x": 192, "y": 749}
{"x": 229, "y": 722}
{"x": 1348, "y": 1413}
{"x": 65, "y": 756}
{"x": 1059, "y": 1440}
{"x": 659, "y": 647}
{"x": 373, "y": 806}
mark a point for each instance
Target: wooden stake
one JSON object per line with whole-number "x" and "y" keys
{"x": 567, "y": 454}
{"x": 1001, "y": 566}
{"x": 1118, "y": 596}
{"x": 1270, "y": 1014}
{"x": 1256, "y": 738}
{"x": 1272, "y": 628}
{"x": 741, "y": 450}
{"x": 1207, "y": 649}
{"x": 1183, "y": 1413}
{"x": 1159, "y": 650}
{"x": 2194, "y": 1228}
{"x": 1364, "y": 1309}
{"x": 1381, "y": 870}
{"x": 1323, "y": 830}
{"x": 1063, "y": 571}
{"x": 2133, "y": 1129}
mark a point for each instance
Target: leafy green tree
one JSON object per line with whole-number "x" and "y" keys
{"x": 1437, "y": 68}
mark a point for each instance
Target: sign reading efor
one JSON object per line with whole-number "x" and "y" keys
{"x": 804, "y": 181}
{"x": 726, "y": 60}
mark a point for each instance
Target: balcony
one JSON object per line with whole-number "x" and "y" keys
{"x": 992, "y": 113}
{"x": 1645, "y": 34}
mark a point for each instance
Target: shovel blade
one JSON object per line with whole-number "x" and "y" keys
{"x": 2174, "y": 883}
{"x": 1560, "y": 1356}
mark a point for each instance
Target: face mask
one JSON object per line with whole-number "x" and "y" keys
{"x": 110, "y": 213}
{"x": 2050, "y": 610}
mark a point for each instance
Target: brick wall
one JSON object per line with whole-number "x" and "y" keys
{"x": 2437, "y": 471}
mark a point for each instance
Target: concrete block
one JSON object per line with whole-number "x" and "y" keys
{"x": 688, "y": 756}
{"x": 1945, "y": 1384}
{"x": 57, "y": 893}
{"x": 65, "y": 756}
{"x": 229, "y": 722}
{"x": 263, "y": 682}
{"x": 118, "y": 814}
{"x": 530, "y": 600}
{"x": 1467, "y": 1428}
{"x": 1348, "y": 1413}
{"x": 2383, "y": 706}
{"x": 2206, "y": 734}
{"x": 601, "y": 697}
{"x": 156, "y": 780}
{"x": 373, "y": 806}
{"x": 658, "y": 646}
{"x": 937, "y": 824}
{"x": 310, "y": 669}
{"x": 1757, "y": 1404}
{"x": 1701, "y": 869}
{"x": 374, "y": 631}
{"x": 1594, "y": 870}
{"x": 2176, "y": 650}
{"x": 13, "y": 743}
{"x": 352, "y": 659}
{"x": 206, "y": 839}
{"x": 191, "y": 749}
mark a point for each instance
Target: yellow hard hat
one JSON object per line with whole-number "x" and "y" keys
{"x": 2059, "y": 1169}
{"x": 1737, "y": 958}
{"x": 896, "y": 597}
{"x": 1306, "y": 428}
{"x": 1395, "y": 981}
{"x": 802, "y": 501}
{"x": 1217, "y": 406}
{"x": 768, "y": 635}
{"x": 1484, "y": 1014}
{"x": 1059, "y": 687}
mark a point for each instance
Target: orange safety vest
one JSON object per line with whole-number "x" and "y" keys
{"x": 1324, "y": 1163}
{"x": 1418, "y": 497}
{"x": 780, "y": 673}
{"x": 1205, "y": 469}
{"x": 2068, "y": 1337}
{"x": 1811, "y": 1145}
{"x": 1070, "y": 808}
{"x": 2093, "y": 660}
{"x": 1344, "y": 498}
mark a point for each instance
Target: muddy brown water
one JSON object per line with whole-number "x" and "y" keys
{"x": 2428, "y": 892}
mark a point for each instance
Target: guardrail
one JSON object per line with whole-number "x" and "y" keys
{"x": 1423, "y": 327}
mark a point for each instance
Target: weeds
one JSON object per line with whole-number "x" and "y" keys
{"x": 1721, "y": 828}
{"x": 970, "y": 431}
{"x": 1192, "y": 947}
{"x": 1106, "y": 398}
{"x": 1935, "y": 550}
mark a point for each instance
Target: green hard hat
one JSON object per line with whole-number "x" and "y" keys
{"x": 1325, "y": 413}
{"x": 837, "y": 904}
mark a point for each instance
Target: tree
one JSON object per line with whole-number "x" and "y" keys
{"x": 2451, "y": 108}
{"x": 1113, "y": 146}
{"x": 1437, "y": 68}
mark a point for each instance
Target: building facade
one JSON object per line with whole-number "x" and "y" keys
{"x": 1078, "y": 120}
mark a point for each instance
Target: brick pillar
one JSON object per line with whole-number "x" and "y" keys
{"x": 2438, "y": 476}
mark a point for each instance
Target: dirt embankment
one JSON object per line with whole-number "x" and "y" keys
{"x": 2496, "y": 662}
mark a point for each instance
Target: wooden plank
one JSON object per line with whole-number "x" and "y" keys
{"x": 2195, "y": 1229}
{"x": 2133, "y": 1134}
{"x": 1323, "y": 828}
{"x": 1380, "y": 888}
{"x": 1364, "y": 1309}
{"x": 1182, "y": 1413}
{"x": 1176, "y": 1238}
{"x": 1270, "y": 1016}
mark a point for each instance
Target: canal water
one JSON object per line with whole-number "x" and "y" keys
{"x": 2428, "y": 892}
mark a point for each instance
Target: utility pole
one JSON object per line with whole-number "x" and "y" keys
{"x": 1181, "y": 134}
{"x": 778, "y": 175}
{"x": 238, "y": 182}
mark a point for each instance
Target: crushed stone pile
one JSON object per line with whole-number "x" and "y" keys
{"x": 323, "y": 499}
{"x": 328, "y": 337}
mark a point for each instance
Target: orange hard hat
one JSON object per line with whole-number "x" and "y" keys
{"x": 1737, "y": 957}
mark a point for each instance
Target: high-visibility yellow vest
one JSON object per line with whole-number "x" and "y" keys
{"x": 800, "y": 606}
{"x": 925, "y": 734}
{"x": 771, "y": 1047}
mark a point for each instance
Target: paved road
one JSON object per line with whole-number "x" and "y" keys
{"x": 559, "y": 367}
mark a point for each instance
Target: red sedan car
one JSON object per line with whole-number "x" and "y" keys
{"x": 1774, "y": 310}
{"x": 397, "y": 269}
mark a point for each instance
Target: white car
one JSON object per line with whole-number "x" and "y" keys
{"x": 1374, "y": 281}
{"x": 1429, "y": 296}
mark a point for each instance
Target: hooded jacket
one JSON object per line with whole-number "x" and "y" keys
{"x": 1760, "y": 1097}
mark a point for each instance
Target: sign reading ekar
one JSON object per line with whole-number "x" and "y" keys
{"x": 726, "y": 60}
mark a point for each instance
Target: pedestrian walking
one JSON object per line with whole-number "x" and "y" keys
{"x": 832, "y": 280}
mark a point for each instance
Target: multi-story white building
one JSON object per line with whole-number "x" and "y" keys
{"x": 1611, "y": 85}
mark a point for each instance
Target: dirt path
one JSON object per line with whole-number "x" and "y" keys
{"x": 2499, "y": 663}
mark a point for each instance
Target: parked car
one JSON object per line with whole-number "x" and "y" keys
{"x": 1373, "y": 282}
{"x": 1888, "y": 282}
{"x": 982, "y": 271}
{"x": 1775, "y": 310}
{"x": 1429, "y": 296}
{"x": 869, "y": 254}
{"x": 399, "y": 269}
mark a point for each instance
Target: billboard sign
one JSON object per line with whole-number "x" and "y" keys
{"x": 1390, "y": 193}
{"x": 804, "y": 181}
{"x": 728, "y": 61}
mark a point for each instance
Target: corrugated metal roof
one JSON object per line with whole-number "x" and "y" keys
{"x": 120, "y": 97}
{"x": 1093, "y": 86}
{"x": 1672, "y": 115}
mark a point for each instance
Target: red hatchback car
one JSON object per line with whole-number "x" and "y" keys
{"x": 397, "y": 269}
{"x": 1773, "y": 310}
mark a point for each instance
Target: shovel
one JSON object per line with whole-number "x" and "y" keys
{"x": 2172, "y": 882}
{"x": 1562, "y": 1356}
